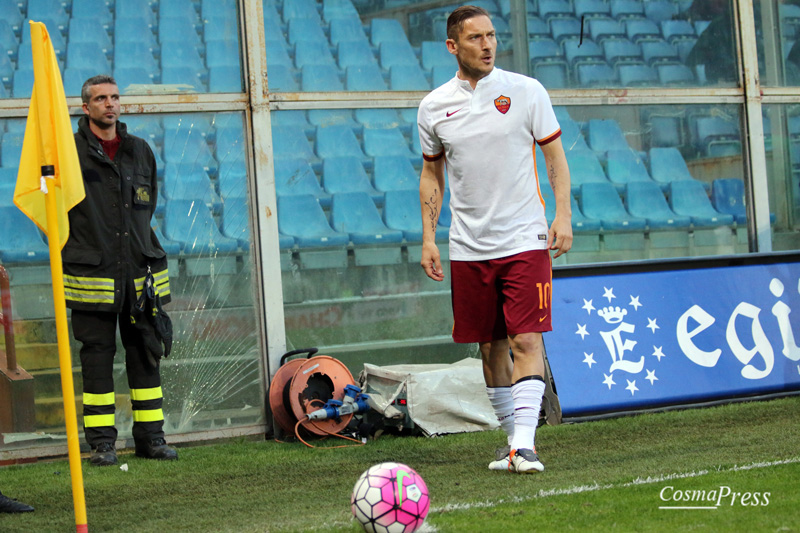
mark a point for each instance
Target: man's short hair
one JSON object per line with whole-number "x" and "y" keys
{"x": 94, "y": 80}
{"x": 455, "y": 22}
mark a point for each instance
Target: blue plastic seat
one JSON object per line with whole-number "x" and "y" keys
{"x": 223, "y": 54}
{"x": 305, "y": 29}
{"x": 236, "y": 221}
{"x": 441, "y": 74}
{"x": 659, "y": 52}
{"x": 364, "y": 78}
{"x": 312, "y": 53}
{"x": 189, "y": 181}
{"x": 378, "y": 118}
{"x": 675, "y": 75}
{"x": 9, "y": 42}
{"x": 277, "y": 53}
{"x": 601, "y": 201}
{"x": 386, "y": 30}
{"x": 135, "y": 8}
{"x": 232, "y": 179}
{"x": 402, "y": 211}
{"x": 177, "y": 8}
{"x": 290, "y": 142}
{"x": 658, "y": 10}
{"x": 320, "y": 78}
{"x": 580, "y": 223}
{"x": 396, "y": 53}
{"x": 178, "y": 30}
{"x": 537, "y": 28}
{"x": 191, "y": 224}
{"x": 9, "y": 12}
{"x": 87, "y": 56}
{"x": 571, "y": 136}
{"x": 583, "y": 168}
{"x": 554, "y": 8}
{"x": 74, "y": 78}
{"x": 408, "y": 78}
{"x": 543, "y": 50}
{"x": 596, "y": 75}
{"x": 295, "y": 176}
{"x": 218, "y": 9}
{"x": 134, "y": 30}
{"x": 565, "y": 28}
{"x": 24, "y": 244}
{"x": 51, "y": 9}
{"x": 641, "y": 29}
{"x": 355, "y": 53}
{"x": 347, "y": 174}
{"x": 675, "y": 30}
{"x": 714, "y": 130}
{"x": 87, "y": 31}
{"x": 347, "y": 29}
{"x": 355, "y": 213}
{"x": 602, "y": 29}
{"x": 332, "y": 117}
{"x": 225, "y": 79}
{"x": 301, "y": 216}
{"x": 645, "y": 199}
{"x": 300, "y": 9}
{"x": 388, "y": 141}
{"x": 626, "y": 166}
{"x": 605, "y": 135}
{"x": 619, "y": 51}
{"x": 586, "y": 52}
{"x": 436, "y": 53}
{"x": 394, "y": 173}
{"x": 11, "y": 148}
{"x": 281, "y": 79}
{"x": 191, "y": 77}
{"x": 131, "y": 54}
{"x": 339, "y": 10}
{"x": 689, "y": 198}
{"x": 182, "y": 54}
{"x": 637, "y": 76}
{"x": 727, "y": 195}
{"x": 592, "y": 8}
{"x": 188, "y": 146}
{"x": 627, "y": 9}
{"x": 338, "y": 141}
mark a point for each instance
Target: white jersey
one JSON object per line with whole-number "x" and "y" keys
{"x": 487, "y": 136}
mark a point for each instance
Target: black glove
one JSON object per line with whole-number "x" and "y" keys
{"x": 153, "y": 323}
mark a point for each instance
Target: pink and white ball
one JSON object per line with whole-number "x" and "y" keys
{"x": 390, "y": 498}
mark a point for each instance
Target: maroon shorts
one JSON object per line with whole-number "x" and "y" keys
{"x": 496, "y": 298}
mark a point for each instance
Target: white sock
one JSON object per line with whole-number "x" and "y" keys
{"x": 527, "y": 395}
{"x": 503, "y": 405}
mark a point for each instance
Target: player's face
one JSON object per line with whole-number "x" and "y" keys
{"x": 103, "y": 106}
{"x": 475, "y": 48}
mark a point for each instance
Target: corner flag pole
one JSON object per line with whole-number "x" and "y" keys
{"x": 64, "y": 355}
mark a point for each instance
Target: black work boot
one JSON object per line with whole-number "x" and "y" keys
{"x": 103, "y": 455}
{"x": 8, "y": 505}
{"x": 156, "y": 449}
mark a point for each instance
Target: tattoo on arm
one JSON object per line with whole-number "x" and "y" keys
{"x": 433, "y": 210}
{"x": 551, "y": 174}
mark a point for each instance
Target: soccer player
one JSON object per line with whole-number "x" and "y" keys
{"x": 483, "y": 124}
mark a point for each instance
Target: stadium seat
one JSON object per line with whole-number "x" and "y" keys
{"x": 675, "y": 30}
{"x": 402, "y": 212}
{"x": 232, "y": 179}
{"x": 386, "y": 30}
{"x": 658, "y": 10}
{"x": 191, "y": 224}
{"x": 441, "y": 74}
{"x": 218, "y": 9}
{"x": 394, "y": 173}
{"x": 592, "y": 9}
{"x": 602, "y": 29}
{"x": 727, "y": 195}
{"x": 312, "y": 53}
{"x": 24, "y": 244}
{"x": 48, "y": 9}
{"x": 627, "y": 9}
{"x": 131, "y": 54}
{"x": 332, "y": 117}
{"x": 295, "y": 176}
{"x": 378, "y": 118}
{"x": 182, "y": 54}
{"x": 659, "y": 52}
{"x": 389, "y": 141}
{"x": 179, "y": 30}
{"x": 621, "y": 51}
{"x": 714, "y": 130}
{"x": 225, "y": 79}
{"x": 605, "y": 135}
{"x": 436, "y": 53}
{"x": 355, "y": 53}
{"x": 586, "y": 52}
{"x": 300, "y": 9}
{"x": 554, "y": 8}
{"x": 338, "y": 141}
{"x": 355, "y": 213}
{"x": 537, "y": 28}
{"x": 601, "y": 201}
{"x": 188, "y": 145}
{"x": 74, "y": 78}
{"x": 177, "y": 8}
{"x": 305, "y": 29}
{"x": 133, "y": 29}
{"x": 366, "y": 77}
{"x": 347, "y": 30}
{"x": 87, "y": 31}
{"x": 571, "y": 135}
{"x": 689, "y": 198}
{"x": 565, "y": 28}
{"x": 9, "y": 12}
{"x": 675, "y": 75}
{"x": 645, "y": 199}
{"x": 184, "y": 75}
{"x": 321, "y": 78}
{"x": 637, "y": 76}
{"x": 189, "y": 181}
{"x": 408, "y": 78}
{"x": 641, "y": 29}
{"x": 87, "y": 56}
{"x": 580, "y": 223}
{"x": 281, "y": 79}
{"x": 302, "y": 217}
{"x": 625, "y": 166}
{"x": 339, "y": 10}
{"x": 596, "y": 75}
{"x": 347, "y": 174}
{"x": 277, "y": 54}
{"x": 223, "y": 54}
{"x": 290, "y": 142}
{"x": 11, "y": 148}
{"x": 583, "y": 168}
{"x": 393, "y": 53}
{"x": 667, "y": 165}
{"x": 236, "y": 222}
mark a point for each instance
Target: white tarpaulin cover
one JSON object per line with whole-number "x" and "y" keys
{"x": 442, "y": 398}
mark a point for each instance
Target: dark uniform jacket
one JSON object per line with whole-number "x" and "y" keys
{"x": 111, "y": 244}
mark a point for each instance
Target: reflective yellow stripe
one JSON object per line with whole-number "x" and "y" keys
{"x": 98, "y": 399}
{"x": 141, "y": 395}
{"x": 97, "y": 421}
{"x": 160, "y": 279}
{"x": 91, "y": 297}
{"x": 150, "y": 415}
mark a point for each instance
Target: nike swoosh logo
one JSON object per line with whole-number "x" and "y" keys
{"x": 543, "y": 318}
{"x": 449, "y": 114}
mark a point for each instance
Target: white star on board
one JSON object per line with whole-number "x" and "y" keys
{"x": 609, "y": 380}
{"x": 631, "y": 386}
{"x": 651, "y": 324}
{"x": 608, "y": 293}
{"x": 658, "y": 353}
{"x": 635, "y": 303}
{"x": 589, "y": 359}
{"x": 587, "y": 304}
{"x": 582, "y": 331}
{"x": 651, "y": 376}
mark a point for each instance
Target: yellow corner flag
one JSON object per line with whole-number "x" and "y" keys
{"x": 48, "y": 141}
{"x": 49, "y": 184}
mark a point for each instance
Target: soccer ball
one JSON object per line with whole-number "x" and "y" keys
{"x": 390, "y": 498}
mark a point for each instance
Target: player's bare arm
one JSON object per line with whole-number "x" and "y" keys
{"x": 431, "y": 194}
{"x": 559, "y": 236}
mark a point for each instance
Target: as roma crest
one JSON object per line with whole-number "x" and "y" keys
{"x": 503, "y": 104}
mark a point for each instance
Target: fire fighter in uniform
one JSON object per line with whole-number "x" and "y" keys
{"x": 110, "y": 250}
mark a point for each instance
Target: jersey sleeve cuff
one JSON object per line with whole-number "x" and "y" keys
{"x": 550, "y": 138}
{"x": 436, "y": 157}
